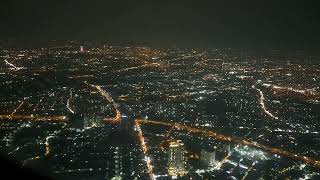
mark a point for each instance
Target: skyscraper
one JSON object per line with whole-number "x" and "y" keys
{"x": 208, "y": 158}
{"x": 81, "y": 49}
{"x": 176, "y": 159}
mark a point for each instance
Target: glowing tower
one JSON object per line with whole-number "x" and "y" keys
{"x": 176, "y": 159}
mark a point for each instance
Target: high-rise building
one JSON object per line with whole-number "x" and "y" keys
{"x": 117, "y": 162}
{"x": 81, "y": 49}
{"x": 228, "y": 149}
{"x": 176, "y": 159}
{"x": 208, "y": 158}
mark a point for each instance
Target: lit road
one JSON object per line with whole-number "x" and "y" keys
{"x": 301, "y": 91}
{"x": 262, "y": 104}
{"x": 15, "y": 110}
{"x": 137, "y": 67}
{"x": 68, "y": 104}
{"x": 12, "y": 65}
{"x": 246, "y": 174}
{"x": 233, "y": 139}
{"x": 103, "y": 93}
{"x": 219, "y": 164}
{"x": 145, "y": 150}
{"x": 33, "y": 118}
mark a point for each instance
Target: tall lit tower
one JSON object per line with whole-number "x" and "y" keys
{"x": 81, "y": 49}
{"x": 176, "y": 159}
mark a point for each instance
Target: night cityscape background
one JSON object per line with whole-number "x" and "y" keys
{"x": 160, "y": 90}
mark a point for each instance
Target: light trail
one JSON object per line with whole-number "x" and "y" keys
{"x": 12, "y": 65}
{"x": 262, "y": 104}
{"x": 145, "y": 150}
{"x": 33, "y": 118}
{"x": 238, "y": 140}
{"x": 15, "y": 110}
{"x": 117, "y": 118}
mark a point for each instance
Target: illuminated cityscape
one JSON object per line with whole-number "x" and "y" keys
{"x": 85, "y": 110}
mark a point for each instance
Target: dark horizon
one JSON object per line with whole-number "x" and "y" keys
{"x": 246, "y": 24}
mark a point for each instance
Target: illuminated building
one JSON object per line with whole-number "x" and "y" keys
{"x": 227, "y": 148}
{"x": 81, "y": 49}
{"x": 176, "y": 159}
{"x": 208, "y": 158}
{"x": 117, "y": 162}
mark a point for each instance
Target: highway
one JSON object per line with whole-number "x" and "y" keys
{"x": 33, "y": 118}
{"x": 301, "y": 91}
{"x": 144, "y": 150}
{"x": 68, "y": 103}
{"x": 262, "y": 104}
{"x": 103, "y": 93}
{"x": 141, "y": 66}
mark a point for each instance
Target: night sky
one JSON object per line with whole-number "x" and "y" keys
{"x": 225, "y": 23}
